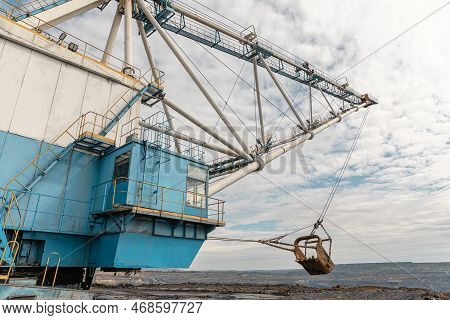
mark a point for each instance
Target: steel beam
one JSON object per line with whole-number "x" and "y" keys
{"x": 258, "y": 99}
{"x": 326, "y": 99}
{"x": 294, "y": 64}
{"x": 212, "y": 133}
{"x": 177, "y": 135}
{"x": 274, "y": 154}
{"x": 191, "y": 73}
{"x": 283, "y": 92}
{"x": 151, "y": 61}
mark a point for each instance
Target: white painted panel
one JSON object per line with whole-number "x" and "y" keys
{"x": 97, "y": 94}
{"x": 35, "y": 100}
{"x": 67, "y": 103}
{"x": 120, "y": 96}
{"x": 13, "y": 63}
{"x": 2, "y": 45}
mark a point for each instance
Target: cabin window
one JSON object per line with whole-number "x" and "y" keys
{"x": 196, "y": 187}
{"x": 122, "y": 166}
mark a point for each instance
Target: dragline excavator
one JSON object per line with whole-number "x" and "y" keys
{"x": 162, "y": 17}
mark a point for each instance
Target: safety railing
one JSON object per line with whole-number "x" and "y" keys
{"x": 92, "y": 123}
{"x": 30, "y": 7}
{"x": 62, "y": 38}
{"x": 181, "y": 204}
{"x": 58, "y": 262}
{"x": 156, "y": 133}
{"x": 48, "y": 213}
{"x": 11, "y": 218}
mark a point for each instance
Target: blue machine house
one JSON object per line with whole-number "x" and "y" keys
{"x": 139, "y": 205}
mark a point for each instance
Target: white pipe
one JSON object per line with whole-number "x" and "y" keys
{"x": 283, "y": 92}
{"x": 156, "y": 76}
{"x": 272, "y": 155}
{"x": 191, "y": 73}
{"x": 128, "y": 6}
{"x": 258, "y": 99}
{"x": 112, "y": 34}
{"x": 180, "y": 136}
{"x": 212, "y": 133}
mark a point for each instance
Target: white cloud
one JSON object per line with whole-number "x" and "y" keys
{"x": 403, "y": 154}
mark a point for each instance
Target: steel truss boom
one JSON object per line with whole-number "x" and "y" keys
{"x": 179, "y": 18}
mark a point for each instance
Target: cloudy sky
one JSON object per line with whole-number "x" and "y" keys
{"x": 394, "y": 201}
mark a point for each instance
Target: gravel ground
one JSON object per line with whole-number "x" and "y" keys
{"x": 249, "y": 291}
{"x": 174, "y": 285}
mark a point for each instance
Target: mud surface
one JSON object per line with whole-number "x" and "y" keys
{"x": 363, "y": 281}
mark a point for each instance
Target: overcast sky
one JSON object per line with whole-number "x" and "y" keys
{"x": 394, "y": 200}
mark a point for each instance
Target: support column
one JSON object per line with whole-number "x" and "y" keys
{"x": 258, "y": 99}
{"x": 112, "y": 34}
{"x": 283, "y": 92}
{"x": 191, "y": 73}
{"x": 128, "y": 6}
{"x": 156, "y": 76}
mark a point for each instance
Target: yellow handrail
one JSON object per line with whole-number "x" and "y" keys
{"x": 8, "y": 204}
{"x": 56, "y": 270}
{"x": 219, "y": 211}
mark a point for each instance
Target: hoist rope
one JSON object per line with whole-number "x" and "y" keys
{"x": 341, "y": 174}
{"x": 327, "y": 204}
{"x": 261, "y": 241}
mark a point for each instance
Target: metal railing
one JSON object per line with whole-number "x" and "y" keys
{"x": 94, "y": 123}
{"x": 58, "y": 262}
{"x": 159, "y": 136}
{"x": 62, "y": 38}
{"x": 9, "y": 204}
{"x": 125, "y": 192}
{"x": 37, "y": 210}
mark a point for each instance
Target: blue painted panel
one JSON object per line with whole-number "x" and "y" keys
{"x": 73, "y": 249}
{"x": 17, "y": 151}
{"x": 60, "y": 201}
{"x": 145, "y": 251}
{"x": 103, "y": 251}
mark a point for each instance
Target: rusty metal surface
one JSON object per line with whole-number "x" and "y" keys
{"x": 318, "y": 264}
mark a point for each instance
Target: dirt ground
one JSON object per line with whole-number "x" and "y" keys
{"x": 248, "y": 291}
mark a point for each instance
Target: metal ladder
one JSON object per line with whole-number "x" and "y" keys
{"x": 152, "y": 167}
{"x": 9, "y": 248}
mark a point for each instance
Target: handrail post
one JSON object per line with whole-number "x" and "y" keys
{"x": 114, "y": 193}
{"x": 162, "y": 198}
{"x": 56, "y": 270}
